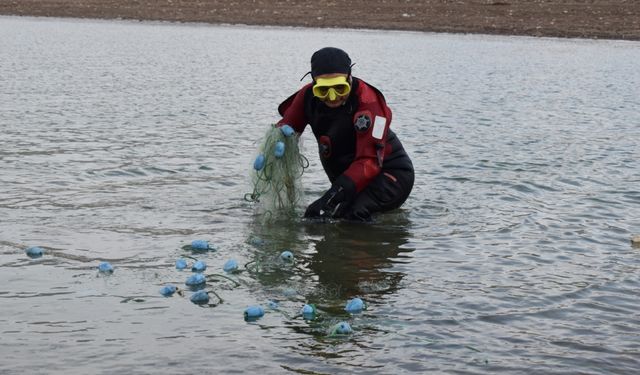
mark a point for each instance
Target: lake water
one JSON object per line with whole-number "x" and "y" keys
{"x": 125, "y": 141}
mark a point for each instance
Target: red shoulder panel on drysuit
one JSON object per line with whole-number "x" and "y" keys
{"x": 292, "y": 110}
{"x": 371, "y": 136}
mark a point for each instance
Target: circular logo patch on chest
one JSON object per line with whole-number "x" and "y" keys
{"x": 362, "y": 123}
{"x": 324, "y": 145}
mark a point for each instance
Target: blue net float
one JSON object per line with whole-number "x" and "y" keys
{"x": 34, "y": 252}
{"x": 200, "y": 245}
{"x": 355, "y": 305}
{"x": 199, "y": 266}
{"x": 181, "y": 264}
{"x": 196, "y": 279}
{"x": 279, "y": 149}
{"x": 258, "y": 164}
{"x": 168, "y": 290}
{"x": 230, "y": 266}
{"x": 308, "y": 311}
{"x": 253, "y": 313}
{"x": 342, "y": 328}
{"x": 287, "y": 256}
{"x": 287, "y": 130}
{"x": 105, "y": 267}
{"x": 200, "y": 297}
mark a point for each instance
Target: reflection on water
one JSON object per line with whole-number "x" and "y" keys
{"x": 357, "y": 260}
{"x": 124, "y": 141}
{"x": 334, "y": 261}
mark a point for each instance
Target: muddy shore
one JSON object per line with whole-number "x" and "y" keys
{"x": 602, "y": 19}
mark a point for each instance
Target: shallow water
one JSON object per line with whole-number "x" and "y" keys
{"x": 124, "y": 141}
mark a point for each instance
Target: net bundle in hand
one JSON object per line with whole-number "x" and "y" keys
{"x": 277, "y": 171}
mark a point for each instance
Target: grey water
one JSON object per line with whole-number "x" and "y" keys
{"x": 125, "y": 141}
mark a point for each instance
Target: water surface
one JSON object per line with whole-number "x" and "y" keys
{"x": 124, "y": 141}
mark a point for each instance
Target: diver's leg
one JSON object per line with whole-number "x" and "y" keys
{"x": 386, "y": 192}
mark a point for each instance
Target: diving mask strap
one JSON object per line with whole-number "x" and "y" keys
{"x": 306, "y": 74}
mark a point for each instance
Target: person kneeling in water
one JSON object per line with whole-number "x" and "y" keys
{"x": 368, "y": 168}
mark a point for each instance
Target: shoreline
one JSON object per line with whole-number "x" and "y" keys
{"x": 594, "y": 19}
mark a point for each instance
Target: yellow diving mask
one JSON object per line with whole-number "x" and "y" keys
{"x": 331, "y": 88}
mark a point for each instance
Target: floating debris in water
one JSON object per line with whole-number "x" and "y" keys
{"x": 635, "y": 241}
{"x": 200, "y": 297}
{"x": 253, "y": 313}
{"x": 199, "y": 266}
{"x": 196, "y": 279}
{"x": 273, "y": 305}
{"x": 168, "y": 290}
{"x": 201, "y": 245}
{"x": 287, "y": 256}
{"x": 342, "y": 328}
{"x": 279, "y": 149}
{"x": 308, "y": 311}
{"x": 355, "y": 305}
{"x": 181, "y": 264}
{"x": 289, "y": 292}
{"x": 257, "y": 241}
{"x": 105, "y": 267}
{"x": 34, "y": 252}
{"x": 230, "y": 266}
{"x": 372, "y": 287}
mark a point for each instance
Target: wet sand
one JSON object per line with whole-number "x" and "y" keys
{"x": 602, "y": 19}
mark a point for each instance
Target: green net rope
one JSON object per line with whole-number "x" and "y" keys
{"x": 277, "y": 172}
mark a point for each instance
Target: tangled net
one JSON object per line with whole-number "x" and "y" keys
{"x": 277, "y": 171}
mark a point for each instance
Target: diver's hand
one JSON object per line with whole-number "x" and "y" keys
{"x": 328, "y": 205}
{"x": 314, "y": 210}
{"x": 333, "y": 202}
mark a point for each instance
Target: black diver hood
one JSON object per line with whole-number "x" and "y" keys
{"x": 330, "y": 60}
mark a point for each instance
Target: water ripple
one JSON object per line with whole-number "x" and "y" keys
{"x": 122, "y": 142}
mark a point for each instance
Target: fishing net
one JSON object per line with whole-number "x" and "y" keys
{"x": 277, "y": 172}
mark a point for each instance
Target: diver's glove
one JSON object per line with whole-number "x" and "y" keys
{"x": 334, "y": 202}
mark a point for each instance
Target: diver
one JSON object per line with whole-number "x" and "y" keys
{"x": 365, "y": 162}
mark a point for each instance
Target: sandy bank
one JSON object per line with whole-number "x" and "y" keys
{"x": 608, "y": 19}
